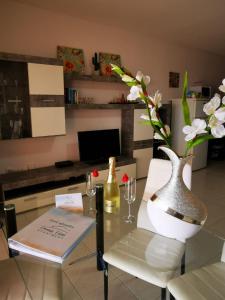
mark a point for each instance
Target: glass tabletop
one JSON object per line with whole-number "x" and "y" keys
{"x": 27, "y": 277}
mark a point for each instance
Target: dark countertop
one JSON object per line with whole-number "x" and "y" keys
{"x": 15, "y": 180}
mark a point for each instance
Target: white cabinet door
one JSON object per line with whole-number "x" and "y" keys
{"x": 143, "y": 157}
{"x": 75, "y": 188}
{"x": 141, "y": 131}
{"x": 45, "y": 79}
{"x": 47, "y": 121}
{"x": 32, "y": 201}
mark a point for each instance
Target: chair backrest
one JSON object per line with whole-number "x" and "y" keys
{"x": 159, "y": 173}
{"x": 223, "y": 253}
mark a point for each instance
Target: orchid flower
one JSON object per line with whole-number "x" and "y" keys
{"x": 165, "y": 131}
{"x": 146, "y": 79}
{"x": 222, "y": 87}
{"x": 156, "y": 99}
{"x": 134, "y": 92}
{"x": 217, "y": 129}
{"x": 197, "y": 127}
{"x": 220, "y": 114}
{"x": 210, "y": 107}
{"x": 145, "y": 117}
{"x": 153, "y": 116}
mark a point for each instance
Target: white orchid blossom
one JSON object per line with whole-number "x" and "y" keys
{"x": 145, "y": 117}
{"x": 210, "y": 107}
{"x": 134, "y": 92}
{"x": 223, "y": 100}
{"x": 220, "y": 114}
{"x": 197, "y": 127}
{"x": 165, "y": 132}
{"x": 153, "y": 115}
{"x": 217, "y": 129}
{"x": 140, "y": 76}
{"x": 156, "y": 99}
{"x": 222, "y": 87}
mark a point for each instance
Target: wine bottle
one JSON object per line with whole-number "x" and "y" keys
{"x": 111, "y": 189}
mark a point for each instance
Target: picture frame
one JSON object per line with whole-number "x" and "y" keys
{"x": 73, "y": 59}
{"x": 174, "y": 79}
{"x": 105, "y": 60}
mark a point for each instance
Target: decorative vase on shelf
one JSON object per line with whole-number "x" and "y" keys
{"x": 174, "y": 210}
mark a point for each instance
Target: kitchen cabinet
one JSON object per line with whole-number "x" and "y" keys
{"x": 46, "y": 90}
{"x": 143, "y": 157}
{"x": 141, "y": 131}
{"x": 14, "y": 100}
{"x": 31, "y": 97}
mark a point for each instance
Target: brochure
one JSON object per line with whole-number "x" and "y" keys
{"x": 52, "y": 236}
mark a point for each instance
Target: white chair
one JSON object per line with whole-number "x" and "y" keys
{"x": 143, "y": 253}
{"x": 206, "y": 283}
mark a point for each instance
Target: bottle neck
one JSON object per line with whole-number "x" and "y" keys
{"x": 112, "y": 171}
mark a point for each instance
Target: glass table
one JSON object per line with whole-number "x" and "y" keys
{"x": 27, "y": 277}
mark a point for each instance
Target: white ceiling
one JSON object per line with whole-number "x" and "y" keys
{"x": 193, "y": 23}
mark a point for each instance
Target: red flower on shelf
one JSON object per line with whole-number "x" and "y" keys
{"x": 95, "y": 173}
{"x": 125, "y": 178}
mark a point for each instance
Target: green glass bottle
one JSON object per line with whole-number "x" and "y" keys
{"x": 111, "y": 189}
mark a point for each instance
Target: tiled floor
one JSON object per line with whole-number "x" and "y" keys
{"x": 208, "y": 184}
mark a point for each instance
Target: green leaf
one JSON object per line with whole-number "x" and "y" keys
{"x": 186, "y": 112}
{"x": 157, "y": 124}
{"x": 131, "y": 83}
{"x": 145, "y": 122}
{"x": 199, "y": 140}
{"x": 117, "y": 70}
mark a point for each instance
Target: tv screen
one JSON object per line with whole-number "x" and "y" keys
{"x": 98, "y": 145}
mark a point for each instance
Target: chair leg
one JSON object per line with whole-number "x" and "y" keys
{"x": 163, "y": 293}
{"x": 182, "y": 271}
{"x": 106, "y": 281}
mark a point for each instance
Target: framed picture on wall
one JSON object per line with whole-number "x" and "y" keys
{"x": 105, "y": 60}
{"x": 174, "y": 79}
{"x": 73, "y": 59}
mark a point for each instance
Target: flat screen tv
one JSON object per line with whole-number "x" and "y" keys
{"x": 97, "y": 146}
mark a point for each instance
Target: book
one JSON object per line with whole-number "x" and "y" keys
{"x": 53, "y": 236}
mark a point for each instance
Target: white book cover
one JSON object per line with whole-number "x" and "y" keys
{"x": 53, "y": 235}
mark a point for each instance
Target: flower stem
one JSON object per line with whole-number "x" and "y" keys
{"x": 155, "y": 127}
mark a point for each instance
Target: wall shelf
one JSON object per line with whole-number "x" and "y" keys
{"x": 96, "y": 78}
{"x": 104, "y": 106}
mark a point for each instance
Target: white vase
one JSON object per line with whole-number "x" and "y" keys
{"x": 174, "y": 210}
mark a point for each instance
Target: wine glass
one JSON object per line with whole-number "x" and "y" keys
{"x": 91, "y": 191}
{"x": 130, "y": 196}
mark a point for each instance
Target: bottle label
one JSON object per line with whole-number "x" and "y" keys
{"x": 110, "y": 206}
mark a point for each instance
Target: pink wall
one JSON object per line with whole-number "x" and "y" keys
{"x": 29, "y": 30}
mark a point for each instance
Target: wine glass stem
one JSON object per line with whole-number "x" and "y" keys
{"x": 91, "y": 204}
{"x": 129, "y": 209}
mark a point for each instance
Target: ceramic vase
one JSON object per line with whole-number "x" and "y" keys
{"x": 174, "y": 210}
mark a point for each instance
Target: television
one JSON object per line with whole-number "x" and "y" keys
{"x": 96, "y": 146}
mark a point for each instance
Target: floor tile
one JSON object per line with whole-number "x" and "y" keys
{"x": 141, "y": 289}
